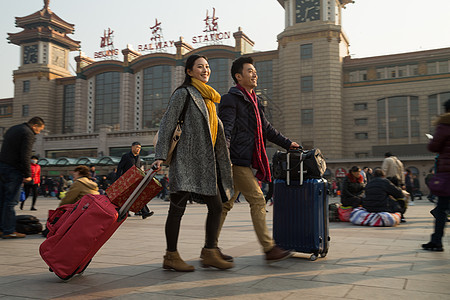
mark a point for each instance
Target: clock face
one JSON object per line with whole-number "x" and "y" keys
{"x": 58, "y": 57}
{"x": 30, "y": 54}
{"x": 307, "y": 10}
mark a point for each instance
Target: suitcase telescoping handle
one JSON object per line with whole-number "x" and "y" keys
{"x": 300, "y": 171}
{"x": 123, "y": 211}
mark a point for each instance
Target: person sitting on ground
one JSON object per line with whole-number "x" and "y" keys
{"x": 380, "y": 195}
{"x": 82, "y": 185}
{"x": 353, "y": 188}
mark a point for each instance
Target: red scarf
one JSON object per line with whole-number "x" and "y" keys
{"x": 260, "y": 162}
{"x": 354, "y": 179}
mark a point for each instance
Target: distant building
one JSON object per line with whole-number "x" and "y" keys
{"x": 354, "y": 110}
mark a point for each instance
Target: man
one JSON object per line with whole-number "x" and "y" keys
{"x": 393, "y": 167}
{"x": 380, "y": 194}
{"x": 246, "y": 129}
{"x": 15, "y": 169}
{"x": 127, "y": 161}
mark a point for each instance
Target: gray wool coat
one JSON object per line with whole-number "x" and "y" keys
{"x": 196, "y": 164}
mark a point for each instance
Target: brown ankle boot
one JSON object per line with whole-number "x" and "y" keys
{"x": 173, "y": 261}
{"x": 212, "y": 258}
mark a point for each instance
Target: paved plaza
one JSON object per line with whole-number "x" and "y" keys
{"x": 362, "y": 263}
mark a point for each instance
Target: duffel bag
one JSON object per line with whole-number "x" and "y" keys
{"x": 314, "y": 164}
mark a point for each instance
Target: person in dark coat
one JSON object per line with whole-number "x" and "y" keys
{"x": 353, "y": 188}
{"x": 126, "y": 162}
{"x": 379, "y": 194}
{"x": 15, "y": 169}
{"x": 440, "y": 144}
{"x": 246, "y": 130}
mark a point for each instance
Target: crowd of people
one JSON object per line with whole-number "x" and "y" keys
{"x": 220, "y": 155}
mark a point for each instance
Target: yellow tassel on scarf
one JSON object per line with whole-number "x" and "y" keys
{"x": 210, "y": 96}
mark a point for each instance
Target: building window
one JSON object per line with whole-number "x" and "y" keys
{"x": 25, "y": 110}
{"x": 220, "y": 74}
{"x": 360, "y": 106}
{"x": 431, "y": 68}
{"x": 381, "y": 73}
{"x": 435, "y": 107}
{"x": 69, "y": 108}
{"x": 306, "y": 51}
{"x": 157, "y": 87}
{"x": 265, "y": 87}
{"x": 361, "y": 135}
{"x": 307, "y": 83}
{"x": 413, "y": 70}
{"x": 361, "y": 122}
{"x": 398, "y": 117}
{"x": 107, "y": 100}
{"x": 362, "y": 76}
{"x": 361, "y": 154}
{"x": 307, "y": 116}
{"x": 443, "y": 66}
{"x": 26, "y": 86}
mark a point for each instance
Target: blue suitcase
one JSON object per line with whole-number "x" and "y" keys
{"x": 300, "y": 216}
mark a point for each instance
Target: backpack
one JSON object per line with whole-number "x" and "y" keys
{"x": 28, "y": 224}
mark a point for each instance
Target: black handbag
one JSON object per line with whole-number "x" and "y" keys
{"x": 314, "y": 164}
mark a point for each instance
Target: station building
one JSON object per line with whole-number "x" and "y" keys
{"x": 354, "y": 110}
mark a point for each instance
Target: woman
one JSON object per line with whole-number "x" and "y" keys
{"x": 200, "y": 163}
{"x": 82, "y": 185}
{"x": 441, "y": 145}
{"x": 353, "y": 188}
{"x": 33, "y": 185}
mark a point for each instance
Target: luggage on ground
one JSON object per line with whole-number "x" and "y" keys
{"x": 300, "y": 216}
{"x": 77, "y": 231}
{"x": 28, "y": 224}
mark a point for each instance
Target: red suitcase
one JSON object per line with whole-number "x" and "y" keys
{"x": 77, "y": 231}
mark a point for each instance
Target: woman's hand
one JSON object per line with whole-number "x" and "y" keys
{"x": 156, "y": 165}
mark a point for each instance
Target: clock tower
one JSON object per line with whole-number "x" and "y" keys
{"x": 45, "y": 47}
{"x": 311, "y": 51}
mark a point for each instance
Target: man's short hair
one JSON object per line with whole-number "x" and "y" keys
{"x": 36, "y": 121}
{"x": 34, "y": 157}
{"x": 388, "y": 154}
{"x": 378, "y": 173}
{"x": 238, "y": 66}
{"x": 135, "y": 143}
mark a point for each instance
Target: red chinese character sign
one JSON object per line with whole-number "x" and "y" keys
{"x": 211, "y": 35}
{"x": 157, "y": 42}
{"x": 107, "y": 41}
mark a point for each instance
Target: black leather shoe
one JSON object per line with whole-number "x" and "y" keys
{"x": 432, "y": 247}
{"x": 145, "y": 216}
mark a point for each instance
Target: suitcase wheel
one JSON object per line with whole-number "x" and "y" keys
{"x": 313, "y": 257}
{"x": 323, "y": 254}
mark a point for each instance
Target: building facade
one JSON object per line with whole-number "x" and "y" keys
{"x": 354, "y": 110}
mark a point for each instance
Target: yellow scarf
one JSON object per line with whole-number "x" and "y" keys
{"x": 210, "y": 96}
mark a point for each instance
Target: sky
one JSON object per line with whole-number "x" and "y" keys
{"x": 374, "y": 27}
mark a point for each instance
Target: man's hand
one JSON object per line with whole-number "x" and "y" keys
{"x": 28, "y": 179}
{"x": 294, "y": 145}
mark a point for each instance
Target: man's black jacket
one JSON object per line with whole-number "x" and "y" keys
{"x": 239, "y": 121}
{"x": 127, "y": 161}
{"x": 17, "y": 148}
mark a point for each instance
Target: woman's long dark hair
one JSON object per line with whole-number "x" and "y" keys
{"x": 188, "y": 66}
